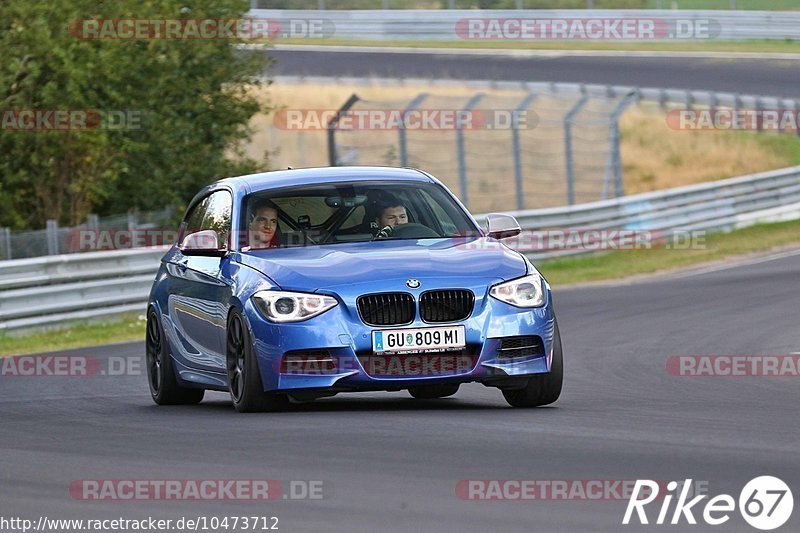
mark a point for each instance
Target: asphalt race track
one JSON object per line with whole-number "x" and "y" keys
{"x": 766, "y": 77}
{"x": 391, "y": 463}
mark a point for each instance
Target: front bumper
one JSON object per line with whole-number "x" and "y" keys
{"x": 343, "y": 335}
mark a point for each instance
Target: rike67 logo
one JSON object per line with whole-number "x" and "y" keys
{"x": 766, "y": 503}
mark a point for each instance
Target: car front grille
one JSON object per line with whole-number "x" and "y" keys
{"x": 524, "y": 346}
{"x": 448, "y": 305}
{"x": 387, "y": 309}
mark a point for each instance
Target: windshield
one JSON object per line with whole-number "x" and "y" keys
{"x": 351, "y": 212}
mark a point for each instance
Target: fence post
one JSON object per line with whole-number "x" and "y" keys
{"x": 589, "y": 4}
{"x": 614, "y": 164}
{"x": 133, "y": 221}
{"x": 301, "y": 148}
{"x": 401, "y": 131}
{"x": 333, "y": 160}
{"x": 526, "y": 102}
{"x": 759, "y": 105}
{"x": 6, "y": 232}
{"x": 797, "y": 113}
{"x": 92, "y": 222}
{"x": 568, "y": 147}
{"x": 52, "y": 237}
{"x": 462, "y": 159}
{"x": 321, "y": 5}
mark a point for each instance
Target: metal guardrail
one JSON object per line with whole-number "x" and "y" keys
{"x": 716, "y": 206}
{"x": 441, "y": 25}
{"x": 55, "y": 289}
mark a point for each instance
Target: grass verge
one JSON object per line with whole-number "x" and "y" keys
{"x": 762, "y": 47}
{"x": 625, "y": 263}
{"x": 78, "y": 335}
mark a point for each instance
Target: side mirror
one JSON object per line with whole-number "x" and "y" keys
{"x": 500, "y": 226}
{"x": 203, "y": 243}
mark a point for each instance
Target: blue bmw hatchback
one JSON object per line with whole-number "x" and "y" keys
{"x": 301, "y": 284}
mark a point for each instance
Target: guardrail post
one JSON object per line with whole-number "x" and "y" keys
{"x": 333, "y": 159}
{"x": 401, "y": 132}
{"x": 759, "y": 104}
{"x": 797, "y": 115}
{"x": 614, "y": 164}
{"x": 133, "y": 221}
{"x": 52, "y": 237}
{"x": 321, "y": 5}
{"x": 526, "y": 102}
{"x": 6, "y": 233}
{"x": 462, "y": 159}
{"x": 589, "y": 4}
{"x": 93, "y": 222}
{"x": 568, "y": 147}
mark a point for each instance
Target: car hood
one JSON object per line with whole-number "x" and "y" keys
{"x": 313, "y": 268}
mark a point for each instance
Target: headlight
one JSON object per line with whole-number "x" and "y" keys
{"x": 527, "y": 291}
{"x": 282, "y": 306}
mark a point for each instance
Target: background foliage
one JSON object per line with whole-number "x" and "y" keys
{"x": 191, "y": 95}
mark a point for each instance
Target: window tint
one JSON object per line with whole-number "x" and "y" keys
{"x": 213, "y": 212}
{"x": 361, "y": 212}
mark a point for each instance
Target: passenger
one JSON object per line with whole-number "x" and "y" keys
{"x": 263, "y": 231}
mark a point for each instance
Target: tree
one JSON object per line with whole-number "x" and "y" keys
{"x": 173, "y": 113}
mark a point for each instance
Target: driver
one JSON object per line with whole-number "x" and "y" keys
{"x": 392, "y": 214}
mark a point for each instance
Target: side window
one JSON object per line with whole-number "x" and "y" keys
{"x": 214, "y": 213}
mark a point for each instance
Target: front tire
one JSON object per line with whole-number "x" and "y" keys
{"x": 244, "y": 378}
{"x": 542, "y": 389}
{"x": 164, "y": 387}
{"x": 431, "y": 392}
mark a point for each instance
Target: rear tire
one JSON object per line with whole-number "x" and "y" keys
{"x": 244, "y": 378}
{"x": 542, "y": 389}
{"x": 431, "y": 392}
{"x": 164, "y": 388}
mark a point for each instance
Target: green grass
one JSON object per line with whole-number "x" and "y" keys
{"x": 625, "y": 263}
{"x": 787, "y": 146}
{"x": 559, "y": 272}
{"x": 643, "y": 46}
{"x": 78, "y": 335}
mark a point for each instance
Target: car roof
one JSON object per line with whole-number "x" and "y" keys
{"x": 323, "y": 175}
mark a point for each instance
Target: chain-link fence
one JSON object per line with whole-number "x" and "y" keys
{"x": 496, "y": 152}
{"x": 131, "y": 230}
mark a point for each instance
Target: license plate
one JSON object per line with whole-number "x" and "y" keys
{"x": 418, "y": 340}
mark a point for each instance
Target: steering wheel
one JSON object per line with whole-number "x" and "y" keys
{"x": 412, "y": 230}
